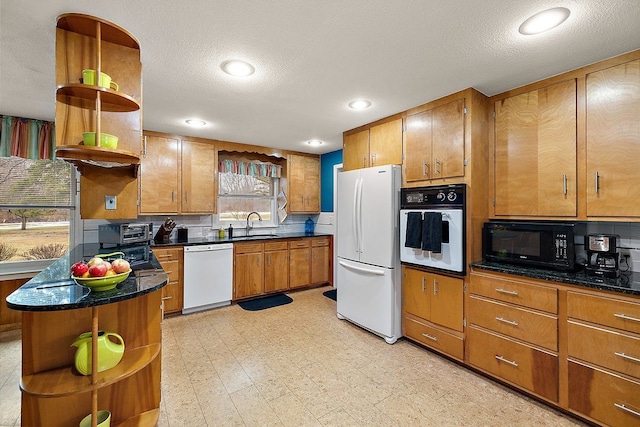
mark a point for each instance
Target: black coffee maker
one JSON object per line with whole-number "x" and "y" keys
{"x": 602, "y": 255}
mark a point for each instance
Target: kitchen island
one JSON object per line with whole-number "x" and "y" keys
{"x": 56, "y": 310}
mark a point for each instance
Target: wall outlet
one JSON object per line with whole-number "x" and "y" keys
{"x": 110, "y": 203}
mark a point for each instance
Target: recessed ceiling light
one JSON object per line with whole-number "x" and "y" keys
{"x": 359, "y": 104}
{"x": 195, "y": 122}
{"x": 314, "y": 142}
{"x": 544, "y": 21}
{"x": 237, "y": 68}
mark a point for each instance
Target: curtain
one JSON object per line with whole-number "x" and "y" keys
{"x": 27, "y": 138}
{"x": 259, "y": 169}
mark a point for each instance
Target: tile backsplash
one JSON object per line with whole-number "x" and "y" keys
{"x": 629, "y": 242}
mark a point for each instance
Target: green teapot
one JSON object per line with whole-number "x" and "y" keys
{"x": 109, "y": 352}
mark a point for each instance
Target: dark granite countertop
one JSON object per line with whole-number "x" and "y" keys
{"x": 53, "y": 289}
{"x": 627, "y": 283}
{"x": 215, "y": 239}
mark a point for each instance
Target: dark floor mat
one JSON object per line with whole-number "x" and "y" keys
{"x": 333, "y": 294}
{"x": 265, "y": 302}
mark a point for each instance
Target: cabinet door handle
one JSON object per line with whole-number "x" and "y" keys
{"x": 373, "y": 159}
{"x": 502, "y": 359}
{"x": 435, "y": 287}
{"x": 430, "y": 337}
{"x": 437, "y": 165}
{"x": 597, "y": 181}
{"x": 364, "y": 161}
{"x": 624, "y": 408}
{"x": 564, "y": 184}
{"x": 144, "y": 146}
{"x": 424, "y": 167}
{"x": 625, "y": 356}
{"x": 258, "y": 261}
{"x": 509, "y": 322}
{"x": 422, "y": 283}
{"x": 186, "y": 196}
{"x": 269, "y": 259}
{"x": 172, "y": 196}
{"x": 504, "y": 291}
{"x": 625, "y": 317}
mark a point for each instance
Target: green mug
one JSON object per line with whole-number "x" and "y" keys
{"x": 89, "y": 78}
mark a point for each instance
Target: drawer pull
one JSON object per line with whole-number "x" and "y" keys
{"x": 509, "y": 322}
{"x": 502, "y": 359}
{"x": 624, "y": 408}
{"x": 168, "y": 272}
{"x": 625, "y": 356}
{"x": 625, "y": 317}
{"x": 166, "y": 298}
{"x": 430, "y": 337}
{"x": 504, "y": 291}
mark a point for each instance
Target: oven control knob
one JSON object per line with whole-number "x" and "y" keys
{"x": 441, "y": 196}
{"x": 452, "y": 196}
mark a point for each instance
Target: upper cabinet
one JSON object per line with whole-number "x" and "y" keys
{"x": 303, "y": 173}
{"x": 376, "y": 146}
{"x": 87, "y": 44}
{"x": 177, "y": 176}
{"x": 434, "y": 143}
{"x": 613, "y": 141}
{"x": 535, "y": 152}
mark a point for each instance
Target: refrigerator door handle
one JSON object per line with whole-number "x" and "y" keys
{"x": 354, "y": 218}
{"x": 359, "y": 215}
{"x": 361, "y": 269}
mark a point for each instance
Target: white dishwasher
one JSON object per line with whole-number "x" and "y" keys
{"x": 208, "y": 276}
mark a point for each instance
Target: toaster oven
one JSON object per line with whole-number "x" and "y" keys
{"x": 125, "y": 234}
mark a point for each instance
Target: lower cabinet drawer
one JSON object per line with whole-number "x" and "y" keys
{"x": 434, "y": 338}
{"x": 533, "y": 327}
{"x": 607, "y": 398}
{"x": 609, "y": 349}
{"x": 530, "y": 368}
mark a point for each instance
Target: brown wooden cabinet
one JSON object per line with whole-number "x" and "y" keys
{"x": 171, "y": 259}
{"x": 159, "y": 176}
{"x": 514, "y": 335}
{"x": 604, "y": 358}
{"x": 248, "y": 277}
{"x": 299, "y": 263}
{"x": 86, "y": 42}
{"x": 177, "y": 176}
{"x": 320, "y": 260}
{"x": 434, "y": 143}
{"x": 303, "y": 173}
{"x": 432, "y": 308}
{"x": 535, "y": 152}
{"x": 276, "y": 268}
{"x": 9, "y": 319}
{"x": 613, "y": 141}
{"x": 377, "y": 146}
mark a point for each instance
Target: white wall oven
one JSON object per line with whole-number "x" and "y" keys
{"x": 432, "y": 227}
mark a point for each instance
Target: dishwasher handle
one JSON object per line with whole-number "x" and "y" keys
{"x": 209, "y": 248}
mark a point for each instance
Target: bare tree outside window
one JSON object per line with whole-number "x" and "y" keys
{"x": 238, "y": 195}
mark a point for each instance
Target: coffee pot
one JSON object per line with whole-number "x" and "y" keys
{"x": 602, "y": 255}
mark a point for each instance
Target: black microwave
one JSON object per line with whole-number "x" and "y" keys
{"x": 539, "y": 244}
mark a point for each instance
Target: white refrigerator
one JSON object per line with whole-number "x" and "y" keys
{"x": 368, "y": 263}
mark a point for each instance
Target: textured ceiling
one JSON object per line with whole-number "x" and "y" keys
{"x": 311, "y": 57}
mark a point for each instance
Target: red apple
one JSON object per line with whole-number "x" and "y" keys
{"x": 98, "y": 270}
{"x": 120, "y": 265}
{"x": 79, "y": 268}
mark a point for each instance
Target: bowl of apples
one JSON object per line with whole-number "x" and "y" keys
{"x": 100, "y": 274}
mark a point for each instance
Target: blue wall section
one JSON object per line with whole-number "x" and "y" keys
{"x": 327, "y": 162}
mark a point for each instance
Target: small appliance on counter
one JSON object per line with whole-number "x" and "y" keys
{"x": 164, "y": 231}
{"x": 183, "y": 234}
{"x": 124, "y": 234}
{"x": 602, "y": 255}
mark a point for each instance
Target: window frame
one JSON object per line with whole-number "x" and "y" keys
{"x": 273, "y": 206}
{"x": 20, "y": 269}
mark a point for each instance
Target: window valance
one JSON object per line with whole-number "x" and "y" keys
{"x": 253, "y": 168}
{"x": 27, "y": 138}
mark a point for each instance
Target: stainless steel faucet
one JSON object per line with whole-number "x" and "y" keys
{"x": 249, "y": 227}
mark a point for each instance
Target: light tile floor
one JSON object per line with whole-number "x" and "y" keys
{"x": 298, "y": 365}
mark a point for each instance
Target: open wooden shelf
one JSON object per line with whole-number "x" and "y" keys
{"x": 84, "y": 96}
{"x": 65, "y": 381}
{"x": 96, "y": 154}
{"x": 86, "y": 25}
